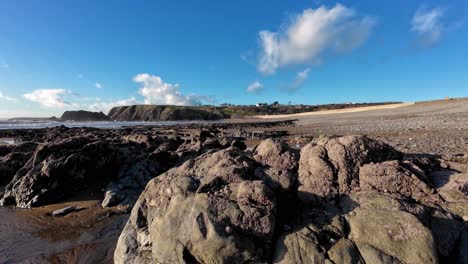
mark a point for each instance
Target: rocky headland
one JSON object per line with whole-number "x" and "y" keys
{"x": 164, "y": 113}
{"x": 84, "y": 116}
{"x": 228, "y": 193}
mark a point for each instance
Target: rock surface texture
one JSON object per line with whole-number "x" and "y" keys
{"x": 338, "y": 200}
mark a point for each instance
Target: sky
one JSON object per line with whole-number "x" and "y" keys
{"x": 67, "y": 55}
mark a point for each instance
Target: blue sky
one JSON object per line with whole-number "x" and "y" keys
{"x": 61, "y": 55}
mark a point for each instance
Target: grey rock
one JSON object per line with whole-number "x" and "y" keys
{"x": 64, "y": 211}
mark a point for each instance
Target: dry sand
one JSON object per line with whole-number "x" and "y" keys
{"x": 337, "y": 111}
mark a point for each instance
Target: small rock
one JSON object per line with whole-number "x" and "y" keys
{"x": 64, "y": 211}
{"x": 111, "y": 198}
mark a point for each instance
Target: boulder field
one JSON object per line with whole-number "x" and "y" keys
{"x": 200, "y": 198}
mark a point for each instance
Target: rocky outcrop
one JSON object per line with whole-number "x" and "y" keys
{"x": 212, "y": 209}
{"x": 163, "y": 113}
{"x": 332, "y": 165}
{"x": 59, "y": 168}
{"x": 84, "y": 116}
{"x": 201, "y": 196}
{"x": 12, "y": 158}
{"x": 350, "y": 200}
{"x": 116, "y": 165}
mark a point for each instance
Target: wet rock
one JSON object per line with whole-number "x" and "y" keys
{"x": 58, "y": 170}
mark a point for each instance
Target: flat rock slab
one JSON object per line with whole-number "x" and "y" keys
{"x": 65, "y": 211}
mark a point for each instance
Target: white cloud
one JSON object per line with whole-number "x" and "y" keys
{"x": 49, "y": 97}
{"x": 426, "y": 23}
{"x": 299, "y": 80}
{"x": 310, "y": 34}
{"x": 6, "y": 98}
{"x": 98, "y": 85}
{"x": 254, "y": 87}
{"x": 155, "y": 91}
{"x": 106, "y": 106}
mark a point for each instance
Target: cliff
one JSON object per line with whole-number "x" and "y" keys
{"x": 164, "y": 113}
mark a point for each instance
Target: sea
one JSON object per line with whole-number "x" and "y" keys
{"x": 5, "y": 124}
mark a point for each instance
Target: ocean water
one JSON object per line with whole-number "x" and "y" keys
{"x": 5, "y": 124}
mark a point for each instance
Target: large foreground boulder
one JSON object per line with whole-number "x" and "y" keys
{"x": 212, "y": 209}
{"x": 359, "y": 201}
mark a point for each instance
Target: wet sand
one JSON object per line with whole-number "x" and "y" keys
{"x": 34, "y": 236}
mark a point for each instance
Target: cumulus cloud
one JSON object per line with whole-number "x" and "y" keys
{"x": 106, "y": 106}
{"x": 98, "y": 85}
{"x": 310, "y": 34}
{"x": 156, "y": 91}
{"x": 254, "y": 87}
{"x": 427, "y": 24}
{"x": 49, "y": 97}
{"x": 6, "y": 98}
{"x": 299, "y": 80}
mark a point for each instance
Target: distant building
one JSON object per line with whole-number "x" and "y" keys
{"x": 226, "y": 105}
{"x": 261, "y": 104}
